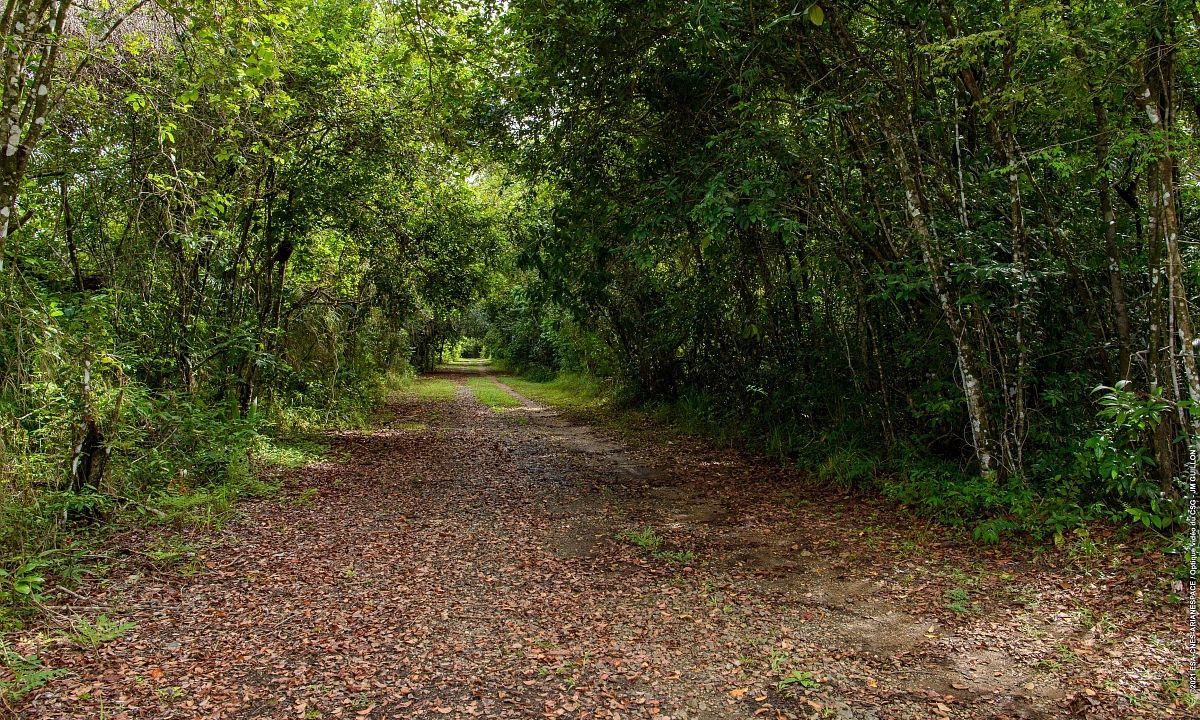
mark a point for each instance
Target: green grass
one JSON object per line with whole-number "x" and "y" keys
{"x": 170, "y": 551}
{"x": 438, "y": 389}
{"x": 567, "y": 390}
{"x": 491, "y": 394}
{"x": 211, "y": 505}
{"x": 679, "y": 557}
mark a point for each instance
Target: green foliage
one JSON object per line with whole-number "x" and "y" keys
{"x": 679, "y": 557}
{"x": 23, "y": 584}
{"x": 306, "y": 497}
{"x": 894, "y": 272}
{"x": 92, "y": 634}
{"x": 940, "y": 491}
{"x": 169, "y": 552}
{"x": 774, "y": 223}
{"x": 286, "y": 452}
{"x": 848, "y": 467}
{"x": 27, "y": 671}
{"x": 959, "y": 600}
{"x": 798, "y": 678}
{"x": 1121, "y": 460}
{"x": 305, "y": 223}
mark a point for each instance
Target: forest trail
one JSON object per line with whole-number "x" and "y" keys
{"x": 458, "y": 561}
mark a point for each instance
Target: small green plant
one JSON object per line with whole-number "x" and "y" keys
{"x": 27, "y": 673}
{"x": 207, "y": 508}
{"x": 1119, "y": 457}
{"x": 167, "y": 552}
{"x": 1032, "y": 631}
{"x": 361, "y": 701}
{"x": 679, "y": 557}
{"x": 645, "y": 539}
{"x": 799, "y": 678}
{"x": 170, "y": 694}
{"x": 777, "y": 659}
{"x": 847, "y": 467}
{"x": 870, "y": 535}
{"x": 1175, "y": 689}
{"x": 654, "y": 545}
{"x": 86, "y": 633}
{"x": 1024, "y": 597}
{"x": 989, "y": 531}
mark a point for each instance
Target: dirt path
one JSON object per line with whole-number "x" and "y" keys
{"x": 464, "y": 562}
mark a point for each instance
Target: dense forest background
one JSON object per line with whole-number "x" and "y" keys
{"x": 945, "y": 250}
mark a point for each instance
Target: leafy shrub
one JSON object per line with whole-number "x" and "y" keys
{"x": 1121, "y": 462}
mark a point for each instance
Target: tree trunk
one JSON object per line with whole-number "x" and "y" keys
{"x": 1157, "y": 101}
{"x": 32, "y": 32}
{"x": 981, "y": 428}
